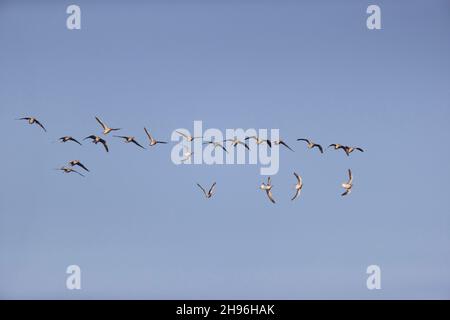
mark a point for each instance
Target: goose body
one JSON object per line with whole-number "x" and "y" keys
{"x": 187, "y": 154}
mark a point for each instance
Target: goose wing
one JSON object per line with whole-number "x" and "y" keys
{"x": 104, "y": 144}
{"x": 244, "y": 144}
{"x": 212, "y": 189}
{"x": 82, "y": 166}
{"x": 137, "y": 143}
{"x": 284, "y": 144}
{"x": 204, "y": 191}
{"x": 148, "y": 134}
{"x": 182, "y": 134}
{"x": 306, "y": 140}
{"x": 71, "y": 170}
{"x": 319, "y": 147}
{"x": 297, "y": 193}
{"x": 270, "y": 196}
{"x": 350, "y": 176}
{"x": 40, "y": 125}
{"x": 104, "y": 126}
{"x": 75, "y": 140}
{"x": 299, "y": 179}
{"x": 90, "y": 137}
{"x": 223, "y": 148}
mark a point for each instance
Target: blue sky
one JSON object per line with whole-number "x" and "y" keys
{"x": 137, "y": 225}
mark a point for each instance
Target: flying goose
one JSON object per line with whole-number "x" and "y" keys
{"x": 298, "y": 186}
{"x": 188, "y": 137}
{"x": 349, "y": 150}
{"x": 235, "y": 142}
{"x": 210, "y": 193}
{"x": 259, "y": 141}
{"x": 78, "y": 163}
{"x": 268, "y": 189}
{"x": 69, "y": 138}
{"x": 97, "y": 139}
{"x": 337, "y": 146}
{"x": 281, "y": 142}
{"x": 153, "y": 142}
{"x": 216, "y": 145}
{"x": 69, "y": 170}
{"x": 346, "y": 149}
{"x": 106, "y": 129}
{"x": 349, "y": 184}
{"x": 130, "y": 139}
{"x": 312, "y": 144}
{"x": 32, "y": 120}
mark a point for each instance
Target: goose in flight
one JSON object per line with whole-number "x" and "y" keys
{"x": 216, "y": 145}
{"x": 349, "y": 184}
{"x": 235, "y": 142}
{"x": 337, "y": 146}
{"x": 349, "y": 150}
{"x": 346, "y": 149}
{"x": 281, "y": 142}
{"x": 78, "y": 163}
{"x": 130, "y": 139}
{"x": 32, "y": 120}
{"x": 260, "y": 141}
{"x": 268, "y": 189}
{"x": 298, "y": 186}
{"x": 69, "y": 138}
{"x": 153, "y": 142}
{"x": 210, "y": 192}
{"x": 106, "y": 129}
{"x": 312, "y": 144}
{"x": 69, "y": 170}
{"x": 187, "y": 154}
{"x": 188, "y": 137}
{"x": 96, "y": 139}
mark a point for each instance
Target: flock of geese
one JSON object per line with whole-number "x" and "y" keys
{"x": 209, "y": 193}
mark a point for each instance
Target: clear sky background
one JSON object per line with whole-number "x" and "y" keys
{"x": 139, "y": 227}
